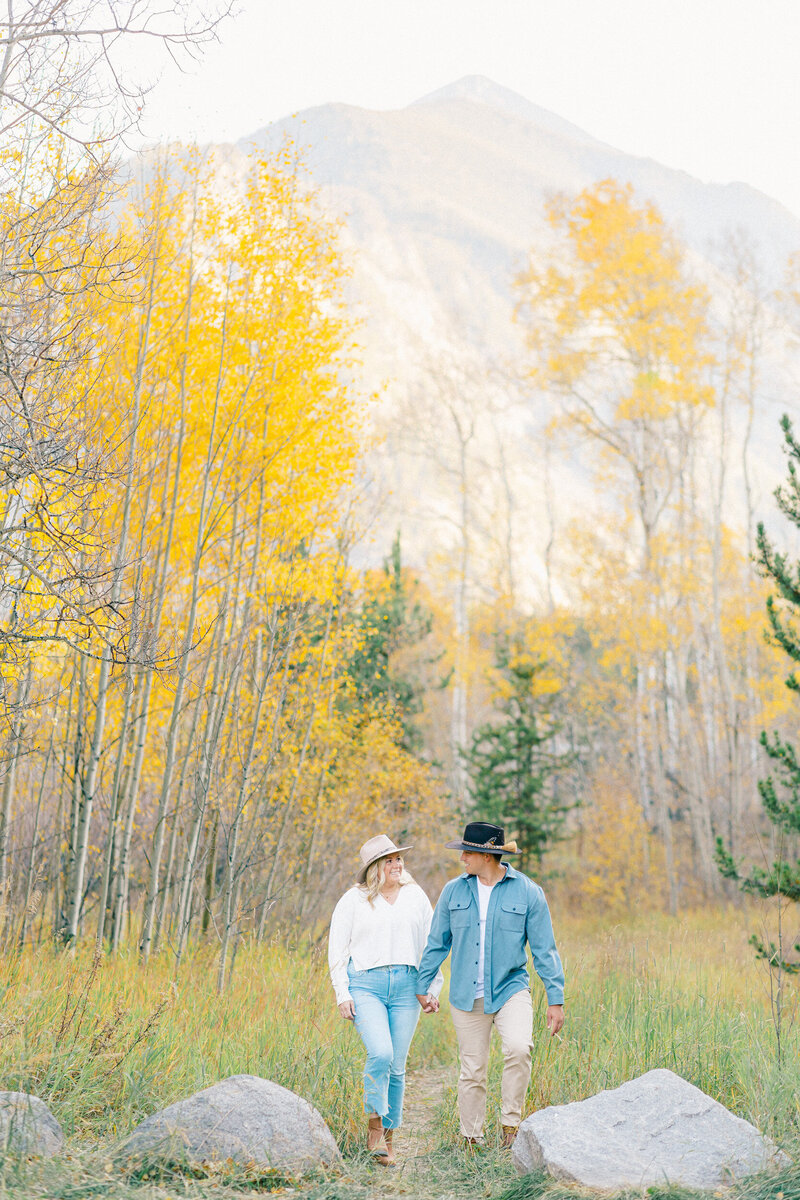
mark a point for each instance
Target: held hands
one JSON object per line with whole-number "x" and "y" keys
{"x": 347, "y": 1010}
{"x": 429, "y": 1004}
{"x": 555, "y": 1019}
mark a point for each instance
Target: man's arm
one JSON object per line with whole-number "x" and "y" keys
{"x": 438, "y": 983}
{"x": 437, "y": 947}
{"x": 546, "y": 959}
{"x": 555, "y": 1019}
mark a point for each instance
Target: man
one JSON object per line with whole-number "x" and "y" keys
{"x": 485, "y": 917}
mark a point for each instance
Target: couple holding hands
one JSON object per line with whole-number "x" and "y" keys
{"x": 386, "y": 947}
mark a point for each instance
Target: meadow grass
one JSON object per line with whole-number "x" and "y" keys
{"x": 106, "y": 1043}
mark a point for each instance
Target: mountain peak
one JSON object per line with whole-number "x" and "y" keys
{"x": 478, "y": 89}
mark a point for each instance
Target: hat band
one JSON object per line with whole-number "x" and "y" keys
{"x": 509, "y": 846}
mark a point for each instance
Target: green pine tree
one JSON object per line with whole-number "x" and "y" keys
{"x": 513, "y": 764}
{"x": 780, "y": 791}
{"x": 393, "y": 619}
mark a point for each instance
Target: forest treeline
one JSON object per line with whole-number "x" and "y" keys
{"x": 183, "y": 628}
{"x": 206, "y": 705}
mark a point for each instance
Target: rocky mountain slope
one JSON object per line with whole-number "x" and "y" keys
{"x": 442, "y": 201}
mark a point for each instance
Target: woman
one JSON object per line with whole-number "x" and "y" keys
{"x": 378, "y": 932}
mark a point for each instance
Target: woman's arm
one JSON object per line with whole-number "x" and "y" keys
{"x": 339, "y": 939}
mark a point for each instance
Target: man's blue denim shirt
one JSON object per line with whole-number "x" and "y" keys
{"x": 517, "y": 913}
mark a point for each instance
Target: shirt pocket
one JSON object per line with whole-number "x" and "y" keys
{"x": 459, "y": 913}
{"x": 512, "y": 916}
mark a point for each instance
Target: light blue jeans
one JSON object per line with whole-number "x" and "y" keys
{"x": 387, "y": 1011}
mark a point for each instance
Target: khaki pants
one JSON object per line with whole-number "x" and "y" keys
{"x": 514, "y": 1023}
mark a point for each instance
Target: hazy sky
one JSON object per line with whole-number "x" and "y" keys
{"x": 710, "y": 86}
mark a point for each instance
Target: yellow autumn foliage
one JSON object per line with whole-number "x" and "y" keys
{"x": 619, "y": 863}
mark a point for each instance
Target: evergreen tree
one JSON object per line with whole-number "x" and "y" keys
{"x": 392, "y": 619}
{"x": 513, "y": 764}
{"x": 780, "y": 791}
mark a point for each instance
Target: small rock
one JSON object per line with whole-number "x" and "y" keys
{"x": 654, "y": 1129}
{"x": 27, "y": 1127}
{"x": 250, "y": 1121}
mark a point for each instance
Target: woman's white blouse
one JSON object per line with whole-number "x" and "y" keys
{"x": 378, "y": 934}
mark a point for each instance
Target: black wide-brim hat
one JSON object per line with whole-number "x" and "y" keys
{"x": 484, "y": 839}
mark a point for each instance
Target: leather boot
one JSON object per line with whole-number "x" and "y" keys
{"x": 509, "y": 1132}
{"x": 387, "y": 1137}
{"x": 376, "y": 1142}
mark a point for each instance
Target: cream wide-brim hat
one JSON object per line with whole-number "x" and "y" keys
{"x": 377, "y": 847}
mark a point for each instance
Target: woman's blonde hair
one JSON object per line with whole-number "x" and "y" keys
{"x": 376, "y": 875}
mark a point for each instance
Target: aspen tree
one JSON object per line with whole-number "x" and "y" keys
{"x": 441, "y": 424}
{"x": 62, "y": 65}
{"x": 195, "y": 755}
{"x": 34, "y": 872}
{"x": 15, "y": 744}
{"x": 620, "y": 333}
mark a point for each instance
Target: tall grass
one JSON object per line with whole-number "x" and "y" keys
{"x": 689, "y": 997}
{"x": 105, "y": 1043}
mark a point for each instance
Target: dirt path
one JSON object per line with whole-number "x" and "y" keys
{"x": 424, "y": 1093}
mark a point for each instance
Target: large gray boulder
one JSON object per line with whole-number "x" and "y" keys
{"x": 251, "y": 1121}
{"x": 655, "y": 1129}
{"x": 27, "y": 1127}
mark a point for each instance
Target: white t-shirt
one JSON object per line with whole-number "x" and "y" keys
{"x": 484, "y": 895}
{"x": 378, "y": 934}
